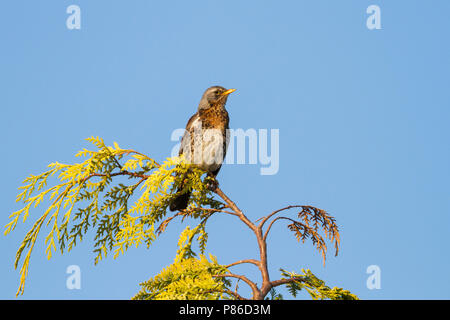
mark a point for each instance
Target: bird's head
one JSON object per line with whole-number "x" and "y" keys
{"x": 214, "y": 96}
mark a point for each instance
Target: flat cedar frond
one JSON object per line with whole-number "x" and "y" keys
{"x": 303, "y": 232}
{"x": 187, "y": 279}
{"x": 313, "y": 285}
{"x": 315, "y": 219}
{"x": 85, "y": 196}
{"x": 123, "y": 196}
{"x": 308, "y": 225}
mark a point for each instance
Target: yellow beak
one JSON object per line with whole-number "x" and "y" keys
{"x": 228, "y": 92}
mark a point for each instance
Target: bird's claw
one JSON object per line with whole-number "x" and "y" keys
{"x": 212, "y": 184}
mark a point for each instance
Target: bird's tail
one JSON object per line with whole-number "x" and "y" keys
{"x": 180, "y": 202}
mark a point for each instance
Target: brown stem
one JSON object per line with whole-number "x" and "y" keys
{"x": 217, "y": 210}
{"x": 272, "y": 222}
{"x": 258, "y": 294}
{"x": 253, "y": 286}
{"x": 121, "y": 173}
{"x": 232, "y": 293}
{"x": 253, "y": 261}
{"x": 235, "y": 294}
{"x": 264, "y": 220}
{"x": 266, "y": 286}
{"x": 235, "y": 208}
{"x": 284, "y": 281}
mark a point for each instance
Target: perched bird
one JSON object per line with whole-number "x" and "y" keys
{"x": 205, "y": 140}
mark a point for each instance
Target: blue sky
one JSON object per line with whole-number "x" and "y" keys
{"x": 362, "y": 115}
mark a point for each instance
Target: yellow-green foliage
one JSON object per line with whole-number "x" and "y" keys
{"x": 122, "y": 196}
{"x": 188, "y": 277}
{"x": 84, "y": 197}
{"x": 315, "y": 287}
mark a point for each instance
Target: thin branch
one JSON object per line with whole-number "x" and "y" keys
{"x": 218, "y": 210}
{"x": 280, "y": 282}
{"x": 235, "y": 294}
{"x": 137, "y": 184}
{"x": 275, "y": 212}
{"x": 272, "y": 222}
{"x": 114, "y": 158}
{"x": 121, "y": 173}
{"x": 141, "y": 154}
{"x": 162, "y": 226}
{"x": 236, "y": 288}
{"x": 186, "y": 213}
{"x": 235, "y": 208}
{"x": 253, "y": 261}
{"x": 230, "y": 203}
{"x": 265, "y": 287}
{"x": 253, "y": 286}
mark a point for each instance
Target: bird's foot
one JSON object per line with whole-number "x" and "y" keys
{"x": 212, "y": 184}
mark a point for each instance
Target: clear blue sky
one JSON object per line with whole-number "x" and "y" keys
{"x": 363, "y": 118}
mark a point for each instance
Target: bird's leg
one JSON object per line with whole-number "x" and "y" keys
{"x": 211, "y": 182}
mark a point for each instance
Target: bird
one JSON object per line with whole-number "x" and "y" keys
{"x": 205, "y": 139}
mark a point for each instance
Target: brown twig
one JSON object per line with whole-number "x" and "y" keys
{"x": 217, "y": 210}
{"x": 262, "y": 265}
{"x": 121, "y": 173}
{"x": 253, "y": 286}
{"x": 272, "y": 222}
{"x": 252, "y": 261}
{"x": 280, "y": 282}
{"x": 302, "y": 230}
{"x": 235, "y": 208}
{"x": 275, "y": 212}
{"x": 235, "y": 294}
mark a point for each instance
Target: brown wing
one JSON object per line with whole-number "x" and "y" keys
{"x": 226, "y": 134}
{"x": 187, "y": 134}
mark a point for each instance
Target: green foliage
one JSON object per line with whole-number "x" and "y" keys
{"x": 315, "y": 287}
{"x": 188, "y": 277}
{"x": 191, "y": 279}
{"x": 122, "y": 196}
{"x": 84, "y": 198}
{"x": 274, "y": 295}
{"x": 185, "y": 242}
